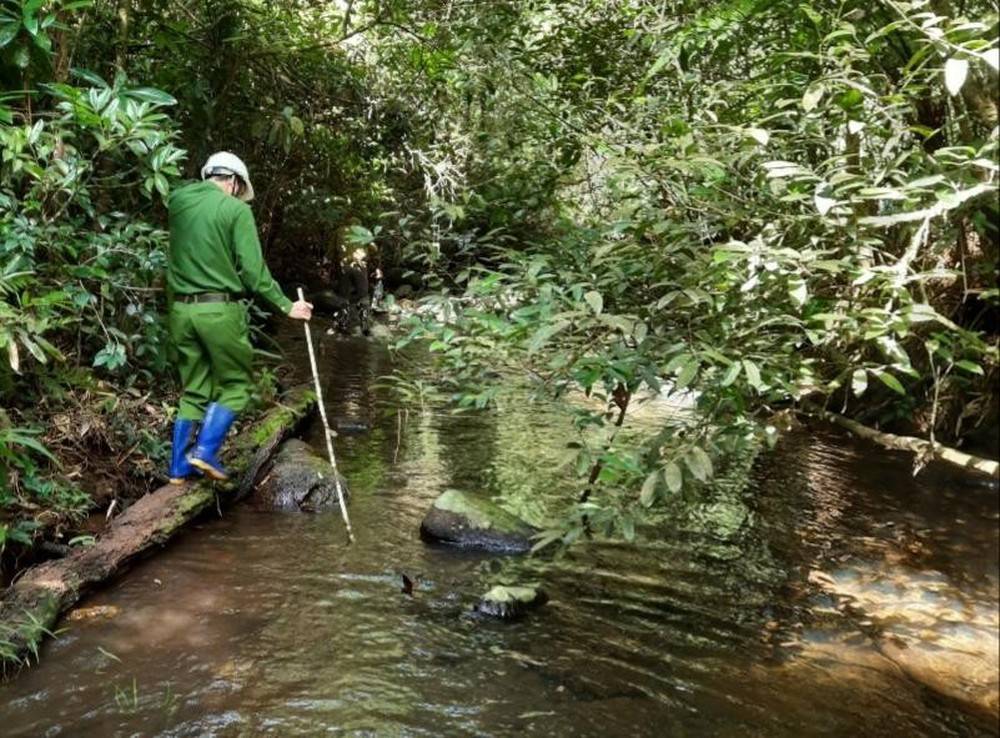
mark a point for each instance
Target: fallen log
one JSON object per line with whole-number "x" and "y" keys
{"x": 923, "y": 449}
{"x": 30, "y": 607}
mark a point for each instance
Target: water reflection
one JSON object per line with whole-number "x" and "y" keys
{"x": 751, "y": 611}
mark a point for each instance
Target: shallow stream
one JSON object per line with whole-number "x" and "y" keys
{"x": 767, "y": 613}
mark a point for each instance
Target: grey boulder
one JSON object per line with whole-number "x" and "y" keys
{"x": 299, "y": 479}
{"x": 461, "y": 519}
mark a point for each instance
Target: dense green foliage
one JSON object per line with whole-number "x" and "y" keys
{"x": 752, "y": 204}
{"x": 79, "y": 269}
{"x": 761, "y": 204}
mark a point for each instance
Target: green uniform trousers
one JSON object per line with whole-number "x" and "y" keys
{"x": 214, "y": 356}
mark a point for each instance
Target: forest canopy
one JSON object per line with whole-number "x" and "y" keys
{"x": 764, "y": 206}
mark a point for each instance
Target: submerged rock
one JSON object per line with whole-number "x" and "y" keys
{"x": 921, "y": 622}
{"x": 348, "y": 427}
{"x": 508, "y": 603}
{"x": 327, "y": 301}
{"x": 460, "y": 519}
{"x": 299, "y": 479}
{"x": 93, "y": 613}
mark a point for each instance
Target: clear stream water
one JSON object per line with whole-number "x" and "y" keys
{"x": 713, "y": 624}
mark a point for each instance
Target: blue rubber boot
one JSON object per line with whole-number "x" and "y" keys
{"x": 184, "y": 434}
{"x": 215, "y": 426}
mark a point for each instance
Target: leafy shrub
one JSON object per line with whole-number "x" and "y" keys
{"x": 80, "y": 268}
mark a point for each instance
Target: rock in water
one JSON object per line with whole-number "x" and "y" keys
{"x": 327, "y": 301}
{"x": 299, "y": 479}
{"x": 508, "y": 603}
{"x": 927, "y": 627}
{"x": 460, "y": 519}
{"x": 348, "y": 427}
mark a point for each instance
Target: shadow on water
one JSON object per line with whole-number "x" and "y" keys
{"x": 781, "y": 609}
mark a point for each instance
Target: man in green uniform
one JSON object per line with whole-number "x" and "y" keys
{"x": 214, "y": 258}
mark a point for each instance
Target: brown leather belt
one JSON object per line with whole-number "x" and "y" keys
{"x": 205, "y": 297}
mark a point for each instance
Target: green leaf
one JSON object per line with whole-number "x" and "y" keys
{"x": 992, "y": 57}
{"x": 859, "y": 382}
{"x": 87, "y": 76}
{"x": 29, "y": 20}
{"x": 969, "y": 367}
{"x": 699, "y": 463}
{"x": 955, "y": 73}
{"x": 618, "y": 323}
{"x": 30, "y": 7}
{"x": 688, "y": 373}
{"x": 29, "y": 343}
{"x": 596, "y": 302}
{"x": 753, "y": 375}
{"x": 545, "y": 539}
{"x": 824, "y": 204}
{"x": 890, "y": 381}
{"x": 797, "y": 291}
{"x": 20, "y": 437}
{"x": 160, "y": 182}
{"x": 628, "y": 529}
{"x": 14, "y": 356}
{"x": 731, "y": 373}
{"x": 648, "y": 493}
{"x": 812, "y": 96}
{"x": 8, "y": 32}
{"x": 676, "y": 363}
{"x": 150, "y": 94}
{"x": 850, "y": 99}
{"x": 49, "y": 348}
{"x": 111, "y": 356}
{"x": 661, "y": 61}
{"x": 359, "y": 236}
{"x": 544, "y": 334}
{"x": 673, "y": 476}
{"x": 42, "y": 41}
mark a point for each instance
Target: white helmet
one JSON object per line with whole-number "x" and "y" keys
{"x": 223, "y": 163}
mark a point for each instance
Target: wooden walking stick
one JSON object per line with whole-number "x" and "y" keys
{"x": 327, "y": 433}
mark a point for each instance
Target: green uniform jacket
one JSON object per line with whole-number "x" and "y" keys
{"x": 214, "y": 247}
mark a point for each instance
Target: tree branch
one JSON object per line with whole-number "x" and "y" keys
{"x": 923, "y": 449}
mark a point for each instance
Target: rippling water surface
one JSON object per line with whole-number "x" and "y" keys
{"x": 727, "y": 619}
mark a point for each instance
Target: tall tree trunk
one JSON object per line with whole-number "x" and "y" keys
{"x": 124, "y": 14}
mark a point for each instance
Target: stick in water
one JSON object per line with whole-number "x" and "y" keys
{"x": 328, "y": 434}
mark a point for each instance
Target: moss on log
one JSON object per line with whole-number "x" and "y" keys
{"x": 30, "y": 607}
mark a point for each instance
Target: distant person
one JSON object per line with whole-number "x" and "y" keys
{"x": 353, "y": 283}
{"x": 379, "y": 290}
{"x": 215, "y": 258}
{"x": 353, "y": 287}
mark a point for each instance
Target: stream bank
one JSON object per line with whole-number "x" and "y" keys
{"x": 30, "y": 607}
